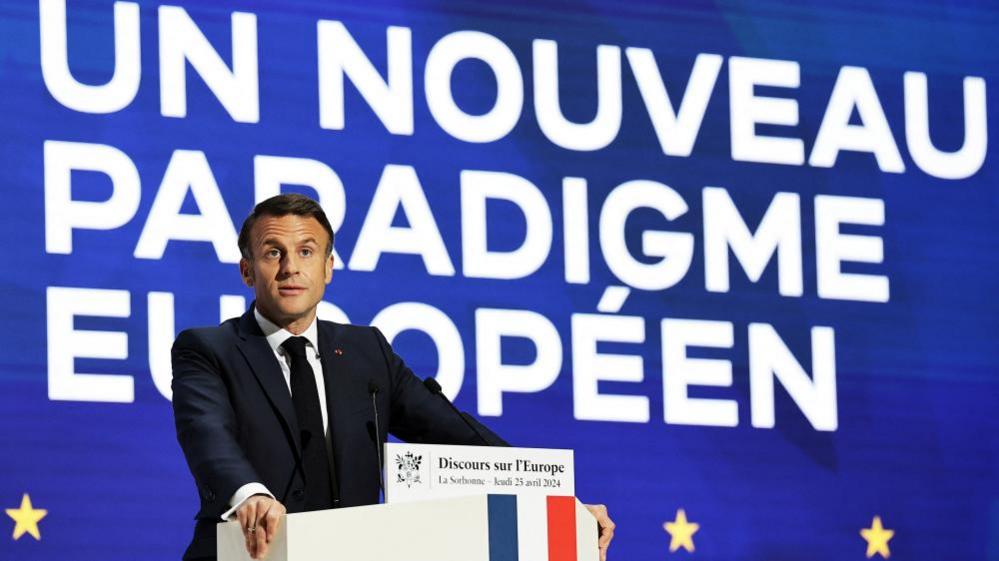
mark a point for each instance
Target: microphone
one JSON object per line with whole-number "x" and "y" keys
{"x": 306, "y": 436}
{"x": 373, "y": 389}
{"x": 435, "y": 388}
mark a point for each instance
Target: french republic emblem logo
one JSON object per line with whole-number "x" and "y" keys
{"x": 409, "y": 468}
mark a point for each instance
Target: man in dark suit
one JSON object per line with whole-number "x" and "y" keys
{"x": 275, "y": 410}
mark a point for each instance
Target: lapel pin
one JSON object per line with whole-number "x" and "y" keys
{"x": 338, "y": 352}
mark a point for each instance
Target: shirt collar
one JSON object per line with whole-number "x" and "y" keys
{"x": 276, "y": 336}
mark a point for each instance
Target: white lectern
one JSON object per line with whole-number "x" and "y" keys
{"x": 474, "y": 528}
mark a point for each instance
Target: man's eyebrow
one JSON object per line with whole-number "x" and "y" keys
{"x": 277, "y": 242}
{"x": 271, "y": 241}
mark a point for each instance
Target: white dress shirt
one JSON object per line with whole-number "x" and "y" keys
{"x": 276, "y": 336}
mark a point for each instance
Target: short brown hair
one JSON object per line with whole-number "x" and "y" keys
{"x": 283, "y": 205}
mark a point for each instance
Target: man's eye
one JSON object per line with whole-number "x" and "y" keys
{"x": 306, "y": 252}
{"x": 273, "y": 253}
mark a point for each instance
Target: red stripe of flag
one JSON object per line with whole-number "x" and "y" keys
{"x": 561, "y": 529}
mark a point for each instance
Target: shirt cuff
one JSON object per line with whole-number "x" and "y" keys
{"x": 243, "y": 493}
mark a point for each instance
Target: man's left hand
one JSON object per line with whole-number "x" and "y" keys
{"x": 606, "y": 528}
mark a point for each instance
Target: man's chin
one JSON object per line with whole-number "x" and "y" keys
{"x": 288, "y": 312}
{"x": 292, "y": 313}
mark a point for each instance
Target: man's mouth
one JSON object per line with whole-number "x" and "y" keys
{"x": 291, "y": 290}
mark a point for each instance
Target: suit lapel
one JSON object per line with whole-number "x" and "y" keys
{"x": 335, "y": 380}
{"x": 343, "y": 390}
{"x": 266, "y": 369}
{"x": 332, "y": 375}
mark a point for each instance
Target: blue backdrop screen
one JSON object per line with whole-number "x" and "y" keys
{"x": 740, "y": 257}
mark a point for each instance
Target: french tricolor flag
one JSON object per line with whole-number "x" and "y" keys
{"x": 537, "y": 528}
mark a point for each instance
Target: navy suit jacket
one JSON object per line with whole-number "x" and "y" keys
{"x": 236, "y": 422}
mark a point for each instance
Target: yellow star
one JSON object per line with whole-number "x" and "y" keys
{"x": 26, "y": 518}
{"x": 681, "y": 532}
{"x": 877, "y": 538}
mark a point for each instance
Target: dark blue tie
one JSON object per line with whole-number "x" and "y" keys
{"x": 305, "y": 396}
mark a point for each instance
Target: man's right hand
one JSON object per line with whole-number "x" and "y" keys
{"x": 260, "y": 517}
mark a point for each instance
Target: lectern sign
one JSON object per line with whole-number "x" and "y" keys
{"x": 428, "y": 471}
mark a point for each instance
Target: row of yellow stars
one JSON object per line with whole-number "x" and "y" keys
{"x": 681, "y": 534}
{"x": 681, "y": 531}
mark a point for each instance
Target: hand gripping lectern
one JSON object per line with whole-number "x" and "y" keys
{"x": 486, "y": 527}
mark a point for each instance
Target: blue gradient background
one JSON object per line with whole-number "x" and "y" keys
{"x": 918, "y": 377}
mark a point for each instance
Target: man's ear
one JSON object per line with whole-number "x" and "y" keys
{"x": 329, "y": 268}
{"x": 246, "y": 271}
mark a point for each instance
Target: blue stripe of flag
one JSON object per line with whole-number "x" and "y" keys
{"x": 503, "y": 528}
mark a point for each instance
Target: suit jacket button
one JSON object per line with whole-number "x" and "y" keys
{"x": 298, "y": 493}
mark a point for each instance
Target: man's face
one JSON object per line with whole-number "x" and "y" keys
{"x": 289, "y": 270}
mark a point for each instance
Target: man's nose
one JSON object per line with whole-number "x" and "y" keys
{"x": 289, "y": 264}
